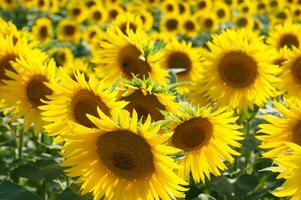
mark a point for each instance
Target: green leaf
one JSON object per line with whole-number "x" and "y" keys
{"x": 12, "y": 191}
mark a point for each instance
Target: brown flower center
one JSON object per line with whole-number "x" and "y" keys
{"x": 69, "y": 30}
{"x": 36, "y": 90}
{"x": 97, "y": 15}
{"x": 221, "y": 13}
{"x": 130, "y": 26}
{"x": 296, "y": 70}
{"x": 208, "y": 23}
{"x": 296, "y": 136}
{"x": 242, "y": 22}
{"x": 131, "y": 63}
{"x": 289, "y": 40}
{"x": 144, "y": 105}
{"x": 5, "y": 64}
{"x": 43, "y": 32}
{"x": 189, "y": 25}
{"x": 192, "y": 134}
{"x": 125, "y": 154}
{"x": 172, "y": 24}
{"x": 237, "y": 69}
{"x": 179, "y": 60}
{"x": 86, "y": 102}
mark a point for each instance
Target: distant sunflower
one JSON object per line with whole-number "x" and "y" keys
{"x": 170, "y": 24}
{"x": 98, "y": 15}
{"x": 238, "y": 70}
{"x": 290, "y": 78}
{"x": 184, "y": 58}
{"x": 8, "y": 4}
{"x": 243, "y": 21}
{"x": 279, "y": 130}
{"x": 80, "y": 65}
{"x": 289, "y": 169}
{"x": 206, "y": 137}
{"x": 28, "y": 3}
{"x": 247, "y": 8}
{"x": 73, "y": 100}
{"x": 222, "y": 11}
{"x": 77, "y": 11}
{"x": 43, "y": 30}
{"x": 285, "y": 35}
{"x": 261, "y": 7}
{"x": 189, "y": 26}
{"x": 124, "y": 153}
{"x": 125, "y": 56}
{"x": 169, "y": 7}
{"x": 149, "y": 98}
{"x": 146, "y": 18}
{"x": 29, "y": 78}
{"x": 113, "y": 11}
{"x": 42, "y": 5}
{"x": 184, "y": 8}
{"x": 91, "y": 33}
{"x": 203, "y": 5}
{"x": 69, "y": 31}
{"x": 62, "y": 56}
{"x": 128, "y": 21}
{"x": 207, "y": 21}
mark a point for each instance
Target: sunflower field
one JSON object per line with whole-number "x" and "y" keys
{"x": 150, "y": 99}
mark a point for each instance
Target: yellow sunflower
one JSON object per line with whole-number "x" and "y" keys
{"x": 29, "y": 78}
{"x": 285, "y": 35}
{"x": 206, "y": 137}
{"x": 77, "y": 11}
{"x": 128, "y": 21}
{"x": 243, "y": 21}
{"x": 113, "y": 11}
{"x": 8, "y": 4}
{"x": 62, "y": 56}
{"x": 203, "y": 5}
{"x": 247, "y": 8}
{"x": 73, "y": 99}
{"x": 290, "y": 79}
{"x": 43, "y": 30}
{"x": 11, "y": 50}
{"x": 169, "y": 7}
{"x": 289, "y": 169}
{"x": 42, "y": 5}
{"x": 189, "y": 26}
{"x": 182, "y": 58}
{"x": 125, "y": 56}
{"x": 122, "y": 159}
{"x": 91, "y": 33}
{"x": 170, "y": 24}
{"x": 149, "y": 98}
{"x": 68, "y": 31}
{"x": 80, "y": 65}
{"x": 208, "y": 21}
{"x": 222, "y": 11}
{"x": 279, "y": 130}
{"x": 238, "y": 70}
{"x": 98, "y": 15}
{"x": 261, "y": 7}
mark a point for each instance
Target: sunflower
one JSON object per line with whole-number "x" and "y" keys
{"x": 261, "y": 7}
{"x": 170, "y": 24}
{"x": 286, "y": 36}
{"x": 9, "y": 29}
{"x": 125, "y": 56}
{"x": 189, "y": 26}
{"x": 169, "y": 7}
{"x": 125, "y": 154}
{"x": 42, "y": 5}
{"x": 222, "y": 11}
{"x": 98, "y": 15}
{"x": 77, "y": 11}
{"x": 91, "y": 33}
{"x": 8, "y": 4}
{"x": 280, "y": 17}
{"x": 146, "y": 18}
{"x": 206, "y": 137}
{"x": 27, "y": 3}
{"x": 43, "y": 29}
{"x": 128, "y": 21}
{"x": 182, "y": 56}
{"x": 29, "y": 78}
{"x": 69, "y": 31}
{"x": 74, "y": 98}
{"x": 203, "y": 6}
{"x": 247, "y": 8}
{"x": 238, "y": 70}
{"x": 290, "y": 79}
{"x": 289, "y": 169}
{"x": 113, "y": 11}
{"x": 11, "y": 50}
{"x": 184, "y": 8}
{"x": 207, "y": 21}
{"x": 279, "y": 130}
{"x": 149, "y": 98}
{"x": 243, "y": 21}
{"x": 62, "y": 56}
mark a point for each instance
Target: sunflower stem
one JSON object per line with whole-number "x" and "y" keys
{"x": 20, "y": 149}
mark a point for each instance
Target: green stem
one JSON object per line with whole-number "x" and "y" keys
{"x": 20, "y": 149}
